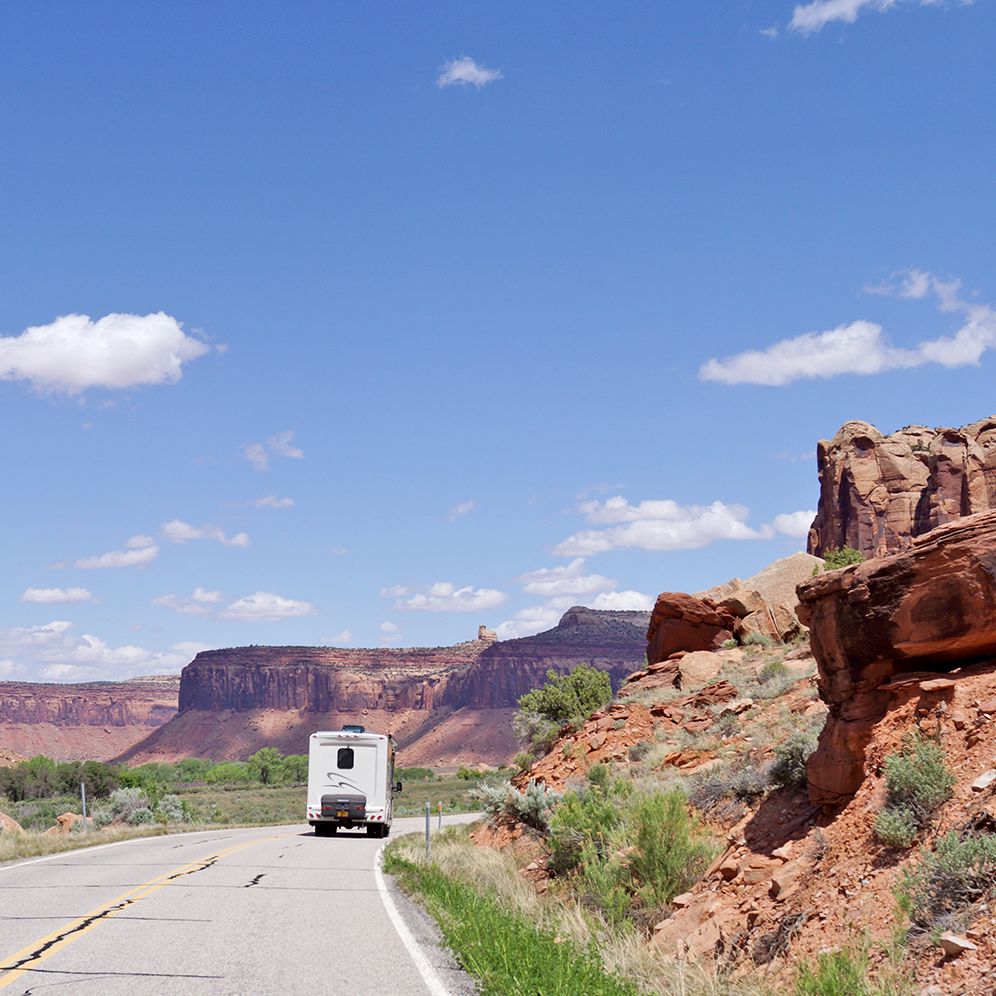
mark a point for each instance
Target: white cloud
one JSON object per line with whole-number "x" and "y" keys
{"x": 266, "y": 606}
{"x": 279, "y": 445}
{"x": 345, "y": 636}
{"x": 389, "y": 627}
{"x": 464, "y": 71}
{"x": 272, "y": 501}
{"x": 861, "y": 347}
{"x": 57, "y": 654}
{"x": 771, "y": 32}
{"x": 567, "y": 580}
{"x": 810, "y": 17}
{"x": 446, "y": 597}
{"x": 73, "y": 353}
{"x": 9, "y": 668}
{"x": 794, "y": 523}
{"x": 657, "y": 525}
{"x": 529, "y": 621}
{"x": 394, "y": 591}
{"x": 52, "y": 596}
{"x": 139, "y": 542}
{"x": 177, "y": 531}
{"x": 134, "y": 556}
{"x": 460, "y": 510}
{"x": 198, "y": 604}
{"x": 624, "y": 601}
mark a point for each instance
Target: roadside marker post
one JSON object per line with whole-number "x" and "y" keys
{"x": 440, "y": 825}
{"x": 428, "y": 845}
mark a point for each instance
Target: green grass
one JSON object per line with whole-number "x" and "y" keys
{"x": 499, "y": 947}
{"x": 261, "y": 804}
{"x": 451, "y": 791}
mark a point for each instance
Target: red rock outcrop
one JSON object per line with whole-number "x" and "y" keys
{"x": 683, "y": 622}
{"x": 878, "y": 492}
{"x": 930, "y": 609}
{"x": 95, "y": 720}
{"x": 443, "y": 705}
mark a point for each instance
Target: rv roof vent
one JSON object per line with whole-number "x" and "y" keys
{"x": 353, "y": 728}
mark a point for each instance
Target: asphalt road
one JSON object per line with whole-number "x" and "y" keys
{"x": 267, "y": 910}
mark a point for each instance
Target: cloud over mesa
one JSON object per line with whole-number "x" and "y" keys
{"x": 74, "y": 353}
{"x": 444, "y": 596}
{"x": 811, "y": 17}
{"x": 862, "y": 347}
{"x": 265, "y": 606}
{"x": 138, "y": 551}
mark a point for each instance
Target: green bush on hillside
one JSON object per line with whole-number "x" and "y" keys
{"x": 838, "y": 557}
{"x": 789, "y": 769}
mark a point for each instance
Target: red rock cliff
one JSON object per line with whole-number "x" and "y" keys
{"x": 878, "y": 492}
{"x": 94, "y": 720}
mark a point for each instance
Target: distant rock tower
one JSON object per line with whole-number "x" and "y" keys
{"x": 487, "y": 635}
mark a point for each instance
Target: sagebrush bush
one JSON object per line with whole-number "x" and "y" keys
{"x": 789, "y": 769}
{"x": 773, "y": 669}
{"x": 123, "y": 802}
{"x": 736, "y": 784}
{"x": 640, "y": 750}
{"x": 897, "y": 827}
{"x": 141, "y": 815}
{"x": 502, "y": 802}
{"x": 758, "y": 640}
{"x": 170, "y": 809}
{"x": 917, "y": 779}
{"x": 958, "y": 873}
{"x": 583, "y": 821}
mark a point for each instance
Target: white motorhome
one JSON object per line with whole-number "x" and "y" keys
{"x": 351, "y": 781}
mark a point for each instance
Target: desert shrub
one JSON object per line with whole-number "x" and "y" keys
{"x": 583, "y": 821}
{"x": 470, "y": 774}
{"x": 774, "y": 688}
{"x": 101, "y": 817}
{"x": 414, "y": 774}
{"x": 536, "y": 731}
{"x": 917, "y": 784}
{"x": 836, "y": 973}
{"x": 523, "y": 760}
{"x": 503, "y": 802}
{"x": 124, "y": 802}
{"x": 958, "y": 873}
{"x": 725, "y": 789}
{"x": 838, "y": 557}
{"x": 730, "y": 644}
{"x": 897, "y": 827}
{"x": 568, "y": 698}
{"x": 141, "y": 815}
{"x": 791, "y": 756}
{"x": 171, "y": 809}
{"x": 758, "y": 640}
{"x": 773, "y": 669}
{"x": 640, "y": 750}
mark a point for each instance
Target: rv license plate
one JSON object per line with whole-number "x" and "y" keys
{"x": 342, "y": 814}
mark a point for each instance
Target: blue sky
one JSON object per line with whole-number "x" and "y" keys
{"x": 363, "y": 324}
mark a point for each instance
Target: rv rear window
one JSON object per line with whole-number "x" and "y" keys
{"x": 344, "y": 759}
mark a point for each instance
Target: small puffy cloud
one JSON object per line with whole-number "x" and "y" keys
{"x": 345, "y": 636}
{"x": 134, "y": 555}
{"x": 862, "y": 347}
{"x": 529, "y": 621}
{"x": 466, "y": 72}
{"x": 624, "y": 601}
{"x": 771, "y": 32}
{"x": 74, "y": 353}
{"x": 567, "y": 580}
{"x": 808, "y": 18}
{"x": 272, "y": 501}
{"x": 139, "y": 542}
{"x": 266, "y": 606}
{"x": 794, "y": 523}
{"x": 53, "y": 596}
{"x": 389, "y": 627}
{"x": 444, "y": 596}
{"x": 279, "y": 445}
{"x": 460, "y": 510}
{"x": 177, "y": 531}
{"x": 394, "y": 591}
{"x": 657, "y": 525}
{"x": 198, "y": 604}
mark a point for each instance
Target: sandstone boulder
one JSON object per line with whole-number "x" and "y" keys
{"x": 698, "y": 668}
{"x": 929, "y": 609}
{"x": 9, "y": 825}
{"x": 878, "y": 492}
{"x": 684, "y": 622}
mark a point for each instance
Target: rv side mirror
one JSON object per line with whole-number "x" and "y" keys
{"x": 397, "y": 788}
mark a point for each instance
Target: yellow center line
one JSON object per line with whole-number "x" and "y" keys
{"x": 38, "y": 951}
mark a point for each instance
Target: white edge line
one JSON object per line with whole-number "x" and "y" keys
{"x": 429, "y": 977}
